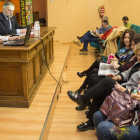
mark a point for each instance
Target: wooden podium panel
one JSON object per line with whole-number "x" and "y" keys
{"x": 22, "y": 67}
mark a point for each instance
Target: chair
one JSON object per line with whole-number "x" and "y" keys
{"x": 135, "y": 28}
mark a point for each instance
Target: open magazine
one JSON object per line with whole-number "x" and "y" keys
{"x": 92, "y": 33}
{"x": 105, "y": 69}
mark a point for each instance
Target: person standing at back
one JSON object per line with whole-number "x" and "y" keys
{"x": 8, "y": 23}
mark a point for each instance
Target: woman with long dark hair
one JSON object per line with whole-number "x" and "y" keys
{"x": 120, "y": 57}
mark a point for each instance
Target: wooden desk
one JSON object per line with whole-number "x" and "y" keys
{"x": 22, "y": 67}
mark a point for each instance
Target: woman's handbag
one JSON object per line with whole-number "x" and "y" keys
{"x": 119, "y": 107}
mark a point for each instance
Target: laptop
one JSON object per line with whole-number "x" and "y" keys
{"x": 20, "y": 42}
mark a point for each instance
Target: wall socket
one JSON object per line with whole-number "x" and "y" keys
{"x": 51, "y": 0}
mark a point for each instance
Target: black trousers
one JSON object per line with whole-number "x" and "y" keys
{"x": 92, "y": 70}
{"x": 98, "y": 93}
{"x": 94, "y": 79}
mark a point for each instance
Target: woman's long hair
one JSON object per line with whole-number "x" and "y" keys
{"x": 136, "y": 38}
{"x": 137, "y": 48}
{"x": 131, "y": 32}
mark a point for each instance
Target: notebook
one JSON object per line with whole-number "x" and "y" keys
{"x": 20, "y": 42}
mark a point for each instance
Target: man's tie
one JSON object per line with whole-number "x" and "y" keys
{"x": 9, "y": 22}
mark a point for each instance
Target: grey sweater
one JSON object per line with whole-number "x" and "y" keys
{"x": 132, "y": 83}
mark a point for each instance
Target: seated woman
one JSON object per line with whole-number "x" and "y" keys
{"x": 6, "y": 38}
{"x": 130, "y": 61}
{"x": 106, "y": 130}
{"x": 121, "y": 57}
{"x": 104, "y": 87}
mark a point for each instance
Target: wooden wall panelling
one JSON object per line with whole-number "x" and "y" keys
{"x": 15, "y": 2}
{"x": 49, "y": 49}
{"x": 25, "y": 81}
{"x": 22, "y": 69}
{"x": 41, "y": 7}
{"x": 48, "y": 53}
{"x": 24, "y": 55}
{"x": 42, "y": 58}
{"x": 10, "y": 83}
{"x": 1, "y": 5}
{"x": 69, "y": 17}
{"x": 10, "y": 56}
{"x": 32, "y": 53}
{"x": 41, "y": 55}
{"x": 37, "y": 66}
{"x": 30, "y": 75}
{"x": 50, "y": 45}
{"x": 115, "y": 10}
{"x": 74, "y": 18}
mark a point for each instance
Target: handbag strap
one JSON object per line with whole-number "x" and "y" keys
{"x": 121, "y": 113}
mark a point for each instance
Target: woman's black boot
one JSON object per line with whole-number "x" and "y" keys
{"x": 79, "y": 91}
{"x": 82, "y": 107}
{"x": 81, "y": 74}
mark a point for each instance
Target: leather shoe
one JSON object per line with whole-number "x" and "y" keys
{"x": 72, "y": 95}
{"x": 75, "y": 98}
{"x": 81, "y": 74}
{"x": 98, "y": 39}
{"x": 85, "y": 126}
{"x": 78, "y": 91}
{"x": 86, "y": 113}
{"x": 101, "y": 43}
{"x": 78, "y": 37}
{"x": 82, "y": 107}
{"x": 77, "y": 42}
{"x": 103, "y": 47}
{"x": 83, "y": 52}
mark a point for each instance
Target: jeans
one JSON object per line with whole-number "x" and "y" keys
{"x": 106, "y": 130}
{"x": 87, "y": 38}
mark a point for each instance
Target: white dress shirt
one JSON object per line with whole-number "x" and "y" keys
{"x": 4, "y": 38}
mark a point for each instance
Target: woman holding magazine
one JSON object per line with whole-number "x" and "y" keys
{"x": 124, "y": 54}
{"x": 104, "y": 87}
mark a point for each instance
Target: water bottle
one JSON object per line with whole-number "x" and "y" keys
{"x": 37, "y": 29}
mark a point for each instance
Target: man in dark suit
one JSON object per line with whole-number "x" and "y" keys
{"x": 8, "y": 23}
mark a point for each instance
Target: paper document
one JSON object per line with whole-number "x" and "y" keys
{"x": 92, "y": 33}
{"x": 105, "y": 69}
